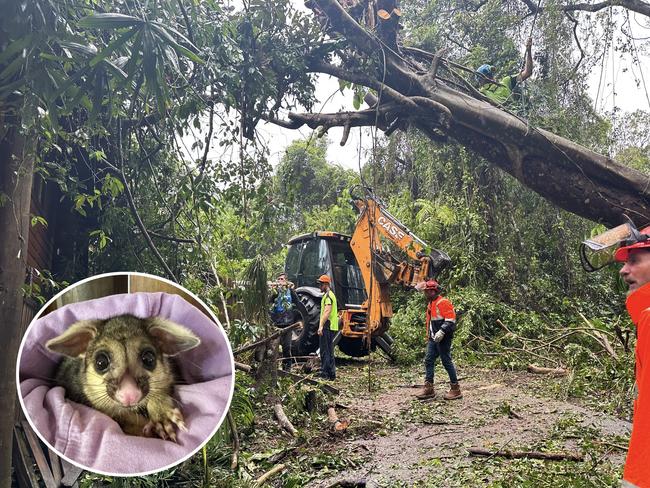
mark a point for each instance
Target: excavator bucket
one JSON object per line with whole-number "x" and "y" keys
{"x": 439, "y": 261}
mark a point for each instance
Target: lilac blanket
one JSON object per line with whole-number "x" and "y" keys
{"x": 93, "y": 440}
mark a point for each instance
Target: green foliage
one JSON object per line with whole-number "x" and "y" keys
{"x": 409, "y": 331}
{"x": 256, "y": 298}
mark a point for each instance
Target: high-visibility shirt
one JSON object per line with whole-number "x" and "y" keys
{"x": 501, "y": 92}
{"x": 637, "y": 465}
{"x": 439, "y": 310}
{"x": 330, "y": 299}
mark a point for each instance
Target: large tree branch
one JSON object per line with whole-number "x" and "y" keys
{"x": 359, "y": 79}
{"x": 633, "y": 5}
{"x": 367, "y": 43}
{"x": 569, "y": 175}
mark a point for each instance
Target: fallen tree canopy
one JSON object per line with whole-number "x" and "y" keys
{"x": 567, "y": 174}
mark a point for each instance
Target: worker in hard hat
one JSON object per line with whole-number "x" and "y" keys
{"x": 635, "y": 253}
{"x": 327, "y": 327}
{"x": 440, "y": 323}
{"x": 500, "y": 90}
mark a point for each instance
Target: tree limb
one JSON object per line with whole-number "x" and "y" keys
{"x": 136, "y": 214}
{"x": 633, "y": 5}
{"x": 234, "y": 460}
{"x": 273, "y": 336}
{"x": 170, "y": 238}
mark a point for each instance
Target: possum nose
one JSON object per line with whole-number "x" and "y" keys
{"x": 128, "y": 393}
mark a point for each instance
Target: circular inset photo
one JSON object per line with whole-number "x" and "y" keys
{"x": 125, "y": 374}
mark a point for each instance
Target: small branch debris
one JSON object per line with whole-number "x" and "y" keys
{"x": 348, "y": 484}
{"x": 303, "y": 379}
{"x": 549, "y": 456}
{"x": 273, "y": 336}
{"x": 270, "y": 473}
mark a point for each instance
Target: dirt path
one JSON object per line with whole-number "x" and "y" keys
{"x": 402, "y": 441}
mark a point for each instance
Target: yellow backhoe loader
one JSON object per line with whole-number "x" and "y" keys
{"x": 362, "y": 268}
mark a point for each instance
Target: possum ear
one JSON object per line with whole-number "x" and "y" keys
{"x": 74, "y": 341}
{"x": 170, "y": 337}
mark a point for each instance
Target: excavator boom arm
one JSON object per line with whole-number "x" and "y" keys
{"x": 379, "y": 268}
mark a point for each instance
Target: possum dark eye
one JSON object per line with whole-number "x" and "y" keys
{"x": 148, "y": 359}
{"x": 102, "y": 362}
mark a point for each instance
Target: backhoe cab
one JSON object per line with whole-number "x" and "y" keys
{"x": 361, "y": 268}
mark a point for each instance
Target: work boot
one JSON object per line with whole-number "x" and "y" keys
{"x": 427, "y": 392}
{"x": 454, "y": 392}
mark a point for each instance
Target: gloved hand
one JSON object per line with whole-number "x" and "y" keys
{"x": 439, "y": 336}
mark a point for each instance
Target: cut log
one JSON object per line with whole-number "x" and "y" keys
{"x": 532, "y": 368}
{"x": 549, "y": 456}
{"x": 283, "y": 420}
{"x": 338, "y": 425}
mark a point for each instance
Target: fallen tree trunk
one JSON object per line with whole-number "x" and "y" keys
{"x": 567, "y": 174}
{"x": 549, "y": 456}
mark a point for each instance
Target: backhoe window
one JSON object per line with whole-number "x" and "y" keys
{"x": 314, "y": 261}
{"x": 348, "y": 282}
{"x": 292, "y": 266}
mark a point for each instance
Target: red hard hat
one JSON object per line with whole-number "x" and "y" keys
{"x": 324, "y": 279}
{"x": 623, "y": 252}
{"x": 432, "y": 285}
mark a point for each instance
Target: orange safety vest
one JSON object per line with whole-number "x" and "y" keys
{"x": 637, "y": 467}
{"x": 439, "y": 308}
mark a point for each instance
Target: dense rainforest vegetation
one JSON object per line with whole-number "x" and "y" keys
{"x": 142, "y": 124}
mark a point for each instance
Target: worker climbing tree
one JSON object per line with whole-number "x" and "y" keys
{"x": 503, "y": 90}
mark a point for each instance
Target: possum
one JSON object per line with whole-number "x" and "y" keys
{"x": 121, "y": 367}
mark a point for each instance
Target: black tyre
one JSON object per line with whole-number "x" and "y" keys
{"x": 304, "y": 341}
{"x": 356, "y": 348}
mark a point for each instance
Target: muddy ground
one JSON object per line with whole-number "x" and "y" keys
{"x": 397, "y": 440}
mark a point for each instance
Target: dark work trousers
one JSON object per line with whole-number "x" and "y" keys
{"x": 281, "y": 320}
{"x": 327, "y": 366}
{"x": 442, "y": 349}
{"x": 286, "y": 350}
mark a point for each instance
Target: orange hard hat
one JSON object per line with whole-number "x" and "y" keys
{"x": 432, "y": 285}
{"x": 324, "y": 279}
{"x": 639, "y": 241}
